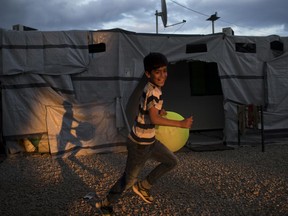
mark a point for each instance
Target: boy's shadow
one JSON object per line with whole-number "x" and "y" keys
{"x": 72, "y": 133}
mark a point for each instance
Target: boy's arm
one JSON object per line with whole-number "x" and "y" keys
{"x": 157, "y": 119}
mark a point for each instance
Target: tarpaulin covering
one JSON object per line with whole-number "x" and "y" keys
{"x": 42, "y": 70}
{"x": 87, "y": 128}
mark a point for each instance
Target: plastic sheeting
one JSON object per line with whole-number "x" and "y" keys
{"x": 41, "y": 70}
{"x": 89, "y": 127}
{"x": 24, "y": 101}
{"x": 38, "y": 52}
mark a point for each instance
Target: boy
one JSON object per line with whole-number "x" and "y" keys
{"x": 142, "y": 144}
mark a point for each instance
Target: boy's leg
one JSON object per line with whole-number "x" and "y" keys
{"x": 167, "y": 162}
{"x": 167, "y": 159}
{"x": 136, "y": 158}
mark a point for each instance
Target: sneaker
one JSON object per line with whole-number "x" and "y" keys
{"x": 142, "y": 192}
{"x": 102, "y": 203}
{"x": 104, "y": 207}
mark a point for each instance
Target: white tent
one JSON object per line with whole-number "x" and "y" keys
{"x": 74, "y": 86}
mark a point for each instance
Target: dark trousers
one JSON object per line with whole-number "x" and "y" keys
{"x": 136, "y": 159}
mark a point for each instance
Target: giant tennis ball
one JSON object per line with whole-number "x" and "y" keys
{"x": 174, "y": 138}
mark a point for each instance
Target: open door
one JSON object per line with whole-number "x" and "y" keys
{"x": 194, "y": 88}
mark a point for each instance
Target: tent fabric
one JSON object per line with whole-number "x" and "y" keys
{"x": 39, "y": 71}
{"x": 24, "y": 101}
{"x": 50, "y": 53}
{"x": 78, "y": 127}
{"x": 277, "y": 77}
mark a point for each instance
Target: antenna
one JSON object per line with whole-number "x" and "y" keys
{"x": 164, "y": 12}
{"x": 163, "y": 15}
{"x": 213, "y": 18}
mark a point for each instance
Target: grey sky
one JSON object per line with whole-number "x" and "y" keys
{"x": 246, "y": 17}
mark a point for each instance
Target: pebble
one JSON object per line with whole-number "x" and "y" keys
{"x": 243, "y": 181}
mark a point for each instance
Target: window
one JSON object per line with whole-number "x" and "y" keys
{"x": 96, "y": 48}
{"x": 196, "y": 48}
{"x": 245, "y": 47}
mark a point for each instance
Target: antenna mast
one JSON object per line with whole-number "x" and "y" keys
{"x": 213, "y": 18}
{"x": 163, "y": 15}
{"x": 157, "y": 14}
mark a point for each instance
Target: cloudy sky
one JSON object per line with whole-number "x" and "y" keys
{"x": 245, "y": 17}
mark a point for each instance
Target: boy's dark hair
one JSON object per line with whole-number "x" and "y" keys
{"x": 154, "y": 60}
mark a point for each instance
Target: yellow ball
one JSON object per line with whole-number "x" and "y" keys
{"x": 174, "y": 138}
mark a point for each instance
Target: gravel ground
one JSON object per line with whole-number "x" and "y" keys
{"x": 244, "y": 181}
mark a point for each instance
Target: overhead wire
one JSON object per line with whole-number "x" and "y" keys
{"x": 179, "y": 28}
{"x": 181, "y": 5}
{"x": 198, "y": 12}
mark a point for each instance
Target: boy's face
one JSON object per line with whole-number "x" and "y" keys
{"x": 158, "y": 76}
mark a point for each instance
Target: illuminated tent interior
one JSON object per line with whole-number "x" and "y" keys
{"x": 75, "y": 91}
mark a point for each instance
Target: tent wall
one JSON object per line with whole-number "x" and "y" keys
{"x": 245, "y": 79}
{"x": 43, "y": 71}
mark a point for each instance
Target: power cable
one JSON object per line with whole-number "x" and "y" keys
{"x": 187, "y": 8}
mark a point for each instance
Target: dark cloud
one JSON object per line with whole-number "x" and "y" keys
{"x": 65, "y": 14}
{"x": 251, "y": 16}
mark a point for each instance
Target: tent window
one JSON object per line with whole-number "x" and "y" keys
{"x": 204, "y": 79}
{"x": 196, "y": 48}
{"x": 277, "y": 48}
{"x": 246, "y": 47}
{"x": 96, "y": 48}
{"x": 276, "y": 45}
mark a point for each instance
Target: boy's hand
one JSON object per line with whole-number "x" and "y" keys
{"x": 163, "y": 112}
{"x": 187, "y": 123}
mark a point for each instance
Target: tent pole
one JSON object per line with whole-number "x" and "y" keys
{"x": 264, "y": 104}
{"x": 124, "y": 114}
{"x": 262, "y": 129}
{"x": 156, "y": 14}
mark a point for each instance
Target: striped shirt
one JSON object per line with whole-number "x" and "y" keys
{"x": 143, "y": 131}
